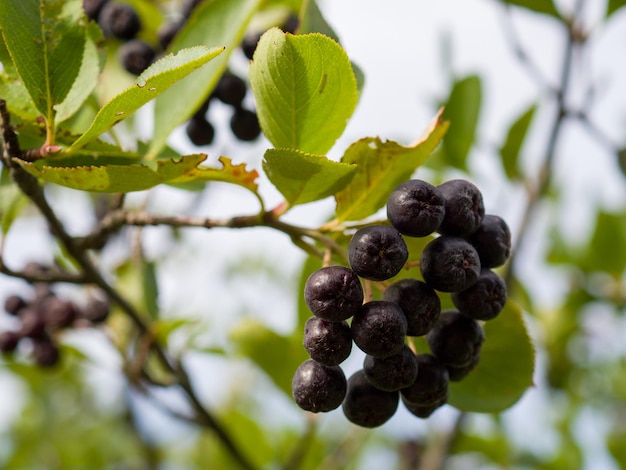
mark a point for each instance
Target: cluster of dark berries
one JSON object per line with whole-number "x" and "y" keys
{"x": 458, "y": 261}
{"x": 42, "y": 318}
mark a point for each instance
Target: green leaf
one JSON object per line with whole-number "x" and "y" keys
{"x": 302, "y": 177}
{"x": 462, "y": 110}
{"x": 513, "y": 144}
{"x": 12, "y": 89}
{"x": 606, "y": 250}
{"x": 305, "y": 90}
{"x": 277, "y": 355}
{"x": 613, "y": 6}
{"x": 381, "y": 166}
{"x": 229, "y": 173}
{"x": 505, "y": 369}
{"x": 150, "y": 288}
{"x": 46, "y": 40}
{"x": 12, "y": 201}
{"x": 91, "y": 66}
{"x": 621, "y": 160}
{"x": 216, "y": 23}
{"x": 111, "y": 174}
{"x": 540, "y": 6}
{"x": 152, "y": 82}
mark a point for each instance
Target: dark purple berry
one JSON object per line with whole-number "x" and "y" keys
{"x": 422, "y": 411}
{"x": 119, "y": 20}
{"x": 96, "y": 311}
{"x": 449, "y": 264}
{"x": 136, "y": 56}
{"x": 33, "y": 323}
{"x": 416, "y": 208}
{"x": 57, "y": 313}
{"x": 431, "y": 385}
{"x": 455, "y": 339}
{"x": 245, "y": 125}
{"x": 484, "y": 299}
{"x": 200, "y": 131}
{"x": 230, "y": 89}
{"x": 249, "y": 43}
{"x": 318, "y": 388}
{"x": 377, "y": 252}
{"x": 333, "y": 293}
{"x": 419, "y": 302}
{"x": 14, "y": 304}
{"x": 366, "y": 405}
{"x": 459, "y": 373}
{"x": 45, "y": 353}
{"x": 9, "y": 341}
{"x": 379, "y": 328}
{"x": 464, "y": 208}
{"x": 391, "y": 373}
{"x": 291, "y": 25}
{"x": 327, "y": 342}
{"x": 166, "y": 33}
{"x": 93, "y": 8}
{"x": 492, "y": 241}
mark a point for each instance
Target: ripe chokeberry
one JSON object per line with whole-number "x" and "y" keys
{"x": 377, "y": 252}
{"x": 455, "y": 339}
{"x": 14, "y": 304}
{"x": 416, "y": 208}
{"x": 119, "y": 20}
{"x": 200, "y": 131}
{"x": 96, "y": 311}
{"x": 379, "y": 328}
{"x": 9, "y": 341}
{"x": 45, "y": 352}
{"x": 449, "y": 264}
{"x": 93, "y": 7}
{"x": 492, "y": 241}
{"x": 419, "y": 302}
{"x": 366, "y": 405}
{"x": 465, "y": 208}
{"x": 484, "y": 299}
{"x": 391, "y": 373}
{"x": 333, "y": 293}
{"x": 245, "y": 125}
{"x": 136, "y": 56}
{"x": 318, "y": 388}
{"x": 230, "y": 89}
{"x": 57, "y": 313}
{"x": 327, "y": 342}
{"x": 431, "y": 384}
{"x": 459, "y": 373}
{"x": 166, "y": 33}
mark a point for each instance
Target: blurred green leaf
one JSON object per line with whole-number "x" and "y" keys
{"x": 496, "y": 449}
{"x": 46, "y": 40}
{"x": 152, "y": 82}
{"x": 12, "y": 201}
{"x": 303, "y": 177}
{"x": 613, "y": 6}
{"x": 621, "y": 160}
{"x": 505, "y": 369}
{"x": 150, "y": 288}
{"x": 512, "y": 146}
{"x": 462, "y": 109}
{"x": 278, "y": 356}
{"x": 539, "y": 6}
{"x": 305, "y": 90}
{"x": 111, "y": 174}
{"x": 381, "y": 166}
{"x": 218, "y": 23}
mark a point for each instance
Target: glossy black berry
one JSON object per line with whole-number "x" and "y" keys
{"x": 45, "y": 353}
{"x": 457, "y": 374}
{"x": 416, "y": 208}
{"x": 377, "y": 252}
{"x": 449, "y": 264}
{"x": 96, "y": 311}
{"x": 166, "y": 33}
{"x": 327, "y": 342}
{"x": 245, "y": 125}
{"x": 200, "y": 131}
{"x": 93, "y": 8}
{"x": 422, "y": 411}
{"x": 33, "y": 323}
{"x": 379, "y": 328}
{"x": 57, "y": 313}
{"x": 318, "y": 388}
{"x": 119, "y": 20}
{"x": 455, "y": 339}
{"x": 464, "y": 207}
{"x": 419, "y": 302}
{"x": 492, "y": 241}
{"x": 484, "y": 299}
{"x": 230, "y": 89}
{"x": 9, "y": 341}
{"x": 14, "y": 304}
{"x": 333, "y": 293}
{"x": 391, "y": 373}
{"x": 136, "y": 56}
{"x": 366, "y": 405}
{"x": 431, "y": 385}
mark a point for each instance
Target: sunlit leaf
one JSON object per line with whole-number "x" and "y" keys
{"x": 512, "y": 146}
{"x": 153, "y": 81}
{"x": 229, "y": 173}
{"x": 538, "y": 6}
{"x": 305, "y": 90}
{"x": 505, "y": 369}
{"x": 613, "y": 6}
{"x": 302, "y": 177}
{"x": 383, "y": 165}
{"x": 111, "y": 174}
